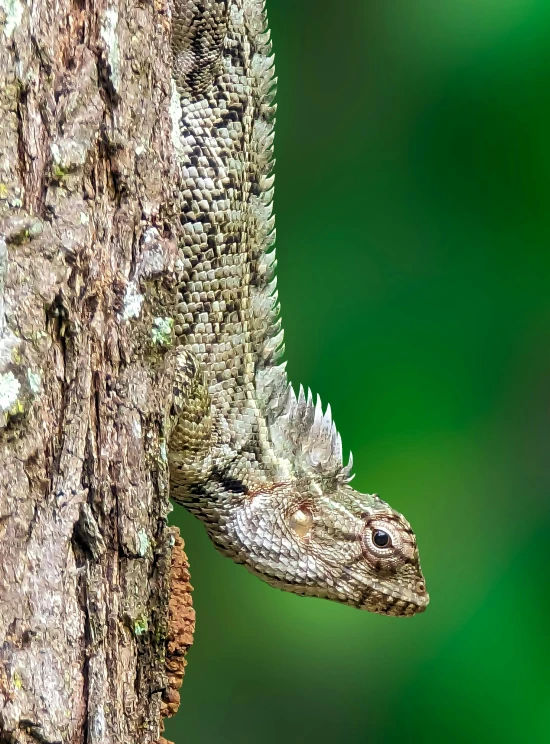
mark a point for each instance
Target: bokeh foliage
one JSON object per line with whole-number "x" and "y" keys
{"x": 413, "y": 183}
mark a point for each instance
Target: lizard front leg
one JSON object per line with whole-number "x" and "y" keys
{"x": 190, "y": 427}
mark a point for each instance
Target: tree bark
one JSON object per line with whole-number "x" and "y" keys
{"x": 88, "y": 249}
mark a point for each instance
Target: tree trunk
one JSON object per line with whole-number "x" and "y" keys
{"x": 88, "y": 246}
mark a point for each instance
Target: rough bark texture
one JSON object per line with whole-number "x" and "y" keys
{"x": 87, "y": 253}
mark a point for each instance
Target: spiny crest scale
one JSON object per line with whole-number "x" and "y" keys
{"x": 309, "y": 438}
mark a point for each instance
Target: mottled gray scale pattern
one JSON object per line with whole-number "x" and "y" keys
{"x": 199, "y": 30}
{"x": 226, "y": 310}
{"x": 261, "y": 466}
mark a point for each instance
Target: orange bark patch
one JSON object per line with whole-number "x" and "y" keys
{"x": 181, "y": 626}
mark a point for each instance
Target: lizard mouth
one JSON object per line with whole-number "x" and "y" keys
{"x": 406, "y": 604}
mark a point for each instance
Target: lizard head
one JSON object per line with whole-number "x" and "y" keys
{"x": 320, "y": 541}
{"x": 358, "y": 550}
{"x": 310, "y": 533}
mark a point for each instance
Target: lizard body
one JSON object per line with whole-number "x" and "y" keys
{"x": 260, "y": 466}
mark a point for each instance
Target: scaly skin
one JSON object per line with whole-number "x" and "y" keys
{"x": 259, "y": 466}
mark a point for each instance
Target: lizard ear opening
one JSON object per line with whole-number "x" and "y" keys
{"x": 301, "y": 521}
{"x": 307, "y": 436}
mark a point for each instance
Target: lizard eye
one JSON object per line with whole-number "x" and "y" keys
{"x": 381, "y": 539}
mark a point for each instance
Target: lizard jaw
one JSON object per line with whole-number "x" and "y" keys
{"x": 404, "y": 604}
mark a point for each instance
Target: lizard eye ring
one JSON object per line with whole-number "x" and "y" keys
{"x": 379, "y": 539}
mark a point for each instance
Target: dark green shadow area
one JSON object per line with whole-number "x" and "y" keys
{"x": 413, "y": 184}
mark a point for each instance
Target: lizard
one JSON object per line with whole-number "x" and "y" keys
{"x": 258, "y": 463}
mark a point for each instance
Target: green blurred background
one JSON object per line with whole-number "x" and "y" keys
{"x": 413, "y": 181}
